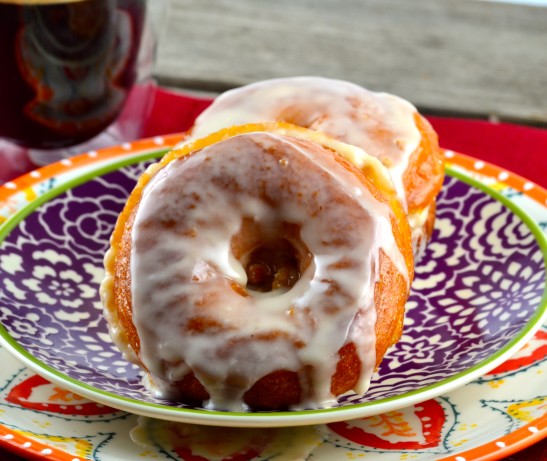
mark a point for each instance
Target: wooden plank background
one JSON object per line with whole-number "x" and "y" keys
{"x": 464, "y": 57}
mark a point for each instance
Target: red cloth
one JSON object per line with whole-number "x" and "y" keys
{"x": 517, "y": 148}
{"x": 173, "y": 112}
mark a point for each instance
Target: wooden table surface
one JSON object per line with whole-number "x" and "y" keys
{"x": 466, "y": 57}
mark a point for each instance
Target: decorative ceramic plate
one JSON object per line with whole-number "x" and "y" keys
{"x": 478, "y": 296}
{"x": 490, "y": 418}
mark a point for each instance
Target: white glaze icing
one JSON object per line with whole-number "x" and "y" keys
{"x": 381, "y": 124}
{"x": 182, "y": 267}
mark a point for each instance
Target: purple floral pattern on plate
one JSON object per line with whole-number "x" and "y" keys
{"x": 477, "y": 285}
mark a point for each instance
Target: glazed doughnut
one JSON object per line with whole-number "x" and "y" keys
{"x": 384, "y": 125}
{"x": 259, "y": 268}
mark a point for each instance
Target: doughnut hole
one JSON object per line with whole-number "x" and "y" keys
{"x": 272, "y": 265}
{"x": 274, "y": 257}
